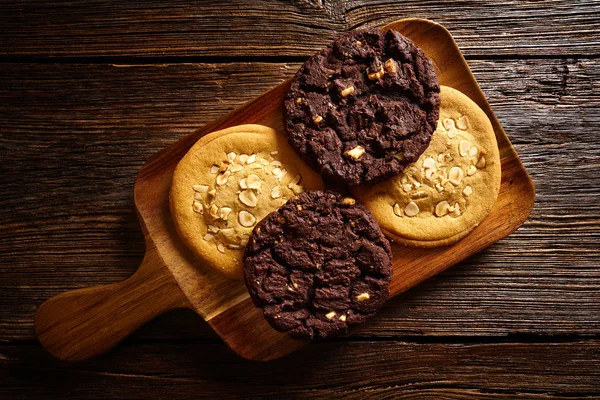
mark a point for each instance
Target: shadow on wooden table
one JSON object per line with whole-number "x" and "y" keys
{"x": 180, "y": 350}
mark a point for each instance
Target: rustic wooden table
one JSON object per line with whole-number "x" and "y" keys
{"x": 89, "y": 90}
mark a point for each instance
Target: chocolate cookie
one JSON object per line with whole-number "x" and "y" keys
{"x": 364, "y": 107}
{"x": 317, "y": 265}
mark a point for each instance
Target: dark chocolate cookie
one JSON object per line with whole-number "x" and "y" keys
{"x": 318, "y": 264}
{"x": 364, "y": 107}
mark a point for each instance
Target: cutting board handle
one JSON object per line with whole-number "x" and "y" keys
{"x": 83, "y": 323}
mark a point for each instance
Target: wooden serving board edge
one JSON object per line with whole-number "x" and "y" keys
{"x": 243, "y": 114}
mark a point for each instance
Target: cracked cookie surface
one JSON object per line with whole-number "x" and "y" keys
{"x": 364, "y": 107}
{"x": 317, "y": 265}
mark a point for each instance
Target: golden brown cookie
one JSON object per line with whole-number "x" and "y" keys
{"x": 450, "y": 189}
{"x": 226, "y": 183}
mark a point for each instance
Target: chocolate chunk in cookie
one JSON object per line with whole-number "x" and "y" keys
{"x": 364, "y": 107}
{"x": 317, "y": 265}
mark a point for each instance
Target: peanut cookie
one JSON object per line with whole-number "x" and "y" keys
{"x": 228, "y": 182}
{"x": 450, "y": 189}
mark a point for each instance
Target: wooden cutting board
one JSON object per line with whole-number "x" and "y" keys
{"x": 83, "y": 323}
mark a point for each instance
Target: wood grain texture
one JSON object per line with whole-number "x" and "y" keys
{"x": 250, "y": 28}
{"x": 395, "y": 369}
{"x": 174, "y": 28}
{"x": 85, "y": 231}
{"x": 84, "y": 323}
{"x": 73, "y": 136}
{"x": 510, "y": 27}
{"x": 224, "y": 303}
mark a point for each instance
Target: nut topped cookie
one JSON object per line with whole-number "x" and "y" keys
{"x": 364, "y": 107}
{"x": 450, "y": 189}
{"x": 226, "y": 183}
{"x": 317, "y": 265}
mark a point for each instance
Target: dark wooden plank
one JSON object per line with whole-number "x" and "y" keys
{"x": 338, "y": 369}
{"x": 74, "y": 136}
{"x": 171, "y": 28}
{"x": 289, "y": 29}
{"x": 499, "y": 28}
